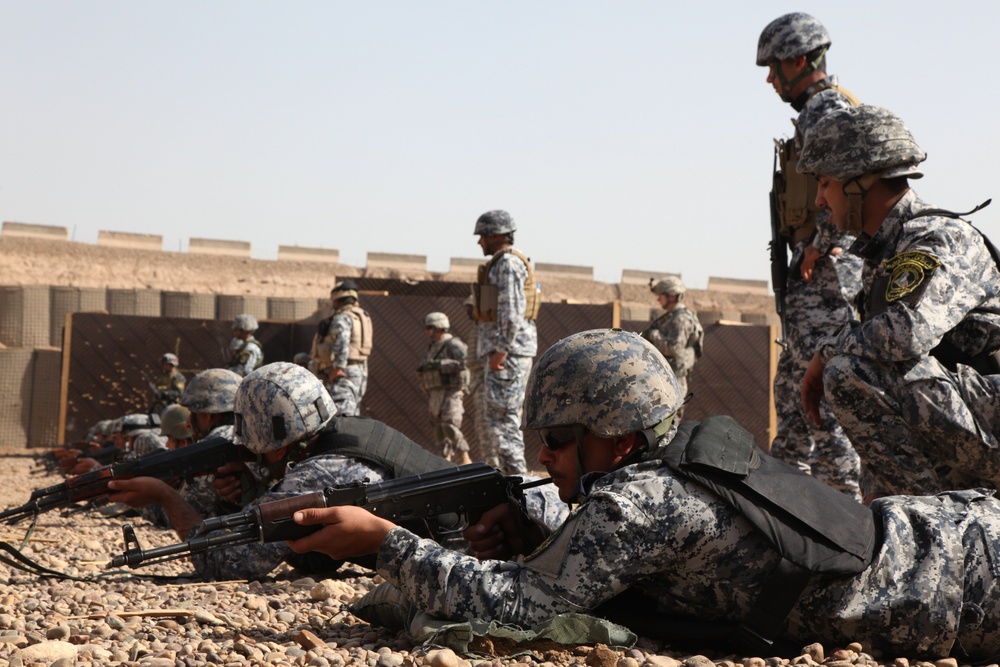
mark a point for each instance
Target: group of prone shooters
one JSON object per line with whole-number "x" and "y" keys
{"x": 357, "y": 460}
{"x": 129, "y": 436}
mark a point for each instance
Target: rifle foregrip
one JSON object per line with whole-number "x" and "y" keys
{"x": 284, "y": 508}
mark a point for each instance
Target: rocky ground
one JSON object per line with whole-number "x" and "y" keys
{"x": 286, "y": 620}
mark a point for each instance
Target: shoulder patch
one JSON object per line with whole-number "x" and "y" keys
{"x": 907, "y": 272}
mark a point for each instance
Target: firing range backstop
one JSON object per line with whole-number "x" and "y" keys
{"x": 106, "y": 357}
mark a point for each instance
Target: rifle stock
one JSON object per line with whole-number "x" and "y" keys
{"x": 197, "y": 459}
{"x": 442, "y": 500}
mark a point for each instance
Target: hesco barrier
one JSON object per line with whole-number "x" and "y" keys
{"x": 107, "y": 356}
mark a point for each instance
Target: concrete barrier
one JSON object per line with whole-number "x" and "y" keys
{"x": 219, "y": 247}
{"x": 130, "y": 240}
{"x": 38, "y": 231}
{"x": 639, "y": 277}
{"x": 464, "y": 265}
{"x": 391, "y": 260}
{"x": 737, "y": 285}
{"x": 298, "y": 253}
{"x": 564, "y": 271}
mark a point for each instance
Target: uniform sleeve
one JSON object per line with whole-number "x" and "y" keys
{"x": 595, "y": 555}
{"x": 453, "y": 359}
{"x": 509, "y": 274}
{"x": 911, "y": 326}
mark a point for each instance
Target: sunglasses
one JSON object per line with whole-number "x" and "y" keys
{"x": 557, "y": 438}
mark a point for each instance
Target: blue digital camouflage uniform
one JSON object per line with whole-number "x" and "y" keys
{"x": 679, "y": 337}
{"x": 930, "y": 587}
{"x": 919, "y": 427}
{"x": 253, "y": 561}
{"x": 347, "y": 391}
{"x": 444, "y": 378}
{"x": 813, "y": 310}
{"x": 503, "y": 390}
{"x": 199, "y": 493}
{"x": 248, "y": 356}
{"x": 475, "y": 392}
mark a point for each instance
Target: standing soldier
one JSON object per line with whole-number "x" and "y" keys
{"x": 677, "y": 333}
{"x": 820, "y": 284}
{"x": 248, "y": 355}
{"x": 915, "y": 382}
{"x": 341, "y": 348}
{"x": 170, "y": 385}
{"x": 475, "y": 390}
{"x": 506, "y": 306}
{"x": 444, "y": 377}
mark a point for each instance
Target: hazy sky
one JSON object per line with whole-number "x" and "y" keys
{"x": 619, "y": 134}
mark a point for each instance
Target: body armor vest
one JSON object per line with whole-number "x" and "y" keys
{"x": 361, "y": 333}
{"x": 485, "y": 295}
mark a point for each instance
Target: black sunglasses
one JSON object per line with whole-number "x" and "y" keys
{"x": 557, "y": 438}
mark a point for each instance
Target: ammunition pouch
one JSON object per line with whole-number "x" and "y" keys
{"x": 795, "y": 194}
{"x": 485, "y": 296}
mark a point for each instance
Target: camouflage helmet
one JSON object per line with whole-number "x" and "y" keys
{"x": 611, "y": 381}
{"x": 436, "y": 320}
{"x": 493, "y": 223}
{"x": 245, "y": 322}
{"x": 211, "y": 391}
{"x": 790, "y": 36}
{"x": 138, "y": 421}
{"x": 174, "y": 422}
{"x": 147, "y": 442}
{"x": 852, "y": 142}
{"x": 667, "y": 285}
{"x": 280, "y": 404}
{"x": 343, "y": 290}
{"x": 170, "y": 358}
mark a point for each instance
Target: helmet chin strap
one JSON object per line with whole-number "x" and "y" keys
{"x": 856, "y": 189}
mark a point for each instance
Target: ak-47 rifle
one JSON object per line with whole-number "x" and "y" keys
{"x": 442, "y": 500}
{"x": 197, "y": 459}
{"x": 778, "y": 246}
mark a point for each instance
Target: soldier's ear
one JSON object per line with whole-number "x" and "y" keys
{"x": 625, "y": 445}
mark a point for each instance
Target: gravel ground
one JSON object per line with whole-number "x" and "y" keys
{"x": 285, "y": 620}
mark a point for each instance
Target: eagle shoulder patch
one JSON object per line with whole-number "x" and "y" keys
{"x": 907, "y": 273}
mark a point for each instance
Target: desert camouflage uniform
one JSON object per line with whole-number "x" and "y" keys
{"x": 170, "y": 386}
{"x": 503, "y": 390}
{"x": 248, "y": 356}
{"x": 445, "y": 387}
{"x": 930, "y": 587}
{"x": 813, "y": 310}
{"x": 920, "y": 427}
{"x": 347, "y": 391}
{"x": 679, "y": 336}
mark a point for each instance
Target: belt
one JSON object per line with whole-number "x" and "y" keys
{"x": 356, "y": 362}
